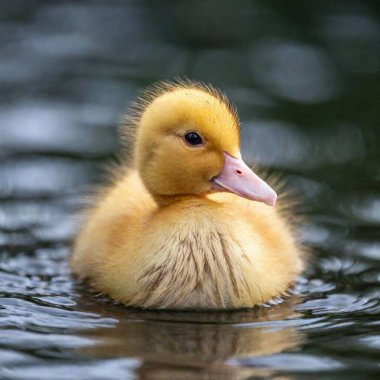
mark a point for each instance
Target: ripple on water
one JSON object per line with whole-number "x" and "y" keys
{"x": 101, "y": 370}
{"x": 294, "y": 362}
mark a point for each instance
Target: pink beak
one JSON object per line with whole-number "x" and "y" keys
{"x": 238, "y": 178}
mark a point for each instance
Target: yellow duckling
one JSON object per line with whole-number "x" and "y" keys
{"x": 187, "y": 224}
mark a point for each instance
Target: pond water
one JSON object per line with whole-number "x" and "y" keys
{"x": 305, "y": 78}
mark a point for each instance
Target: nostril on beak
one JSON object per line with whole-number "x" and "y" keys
{"x": 239, "y": 172}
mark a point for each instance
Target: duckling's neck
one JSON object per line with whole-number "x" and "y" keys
{"x": 168, "y": 200}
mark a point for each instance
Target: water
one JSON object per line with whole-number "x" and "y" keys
{"x": 306, "y": 80}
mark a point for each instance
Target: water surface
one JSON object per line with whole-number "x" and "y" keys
{"x": 306, "y": 81}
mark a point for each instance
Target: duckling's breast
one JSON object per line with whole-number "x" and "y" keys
{"x": 198, "y": 257}
{"x": 192, "y": 263}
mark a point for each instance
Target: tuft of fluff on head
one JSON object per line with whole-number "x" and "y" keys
{"x": 131, "y": 120}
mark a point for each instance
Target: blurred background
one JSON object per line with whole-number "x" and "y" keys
{"x": 305, "y": 77}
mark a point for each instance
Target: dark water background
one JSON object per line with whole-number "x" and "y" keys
{"x": 305, "y": 76}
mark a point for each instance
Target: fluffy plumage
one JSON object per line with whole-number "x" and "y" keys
{"x": 160, "y": 236}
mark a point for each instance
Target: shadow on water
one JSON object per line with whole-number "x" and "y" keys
{"x": 305, "y": 78}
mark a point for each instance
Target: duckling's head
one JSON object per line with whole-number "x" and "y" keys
{"x": 188, "y": 142}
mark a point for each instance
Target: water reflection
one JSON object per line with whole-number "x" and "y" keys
{"x": 366, "y": 209}
{"x": 279, "y": 144}
{"x": 56, "y": 129}
{"x": 194, "y": 345}
{"x": 293, "y": 71}
{"x": 353, "y": 37}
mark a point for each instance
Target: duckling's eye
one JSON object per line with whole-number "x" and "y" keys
{"x": 193, "y": 138}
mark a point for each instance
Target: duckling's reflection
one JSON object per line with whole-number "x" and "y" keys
{"x": 192, "y": 345}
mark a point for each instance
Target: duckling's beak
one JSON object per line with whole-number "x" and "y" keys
{"x": 238, "y": 178}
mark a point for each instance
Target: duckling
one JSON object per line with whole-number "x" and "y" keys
{"x": 186, "y": 224}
